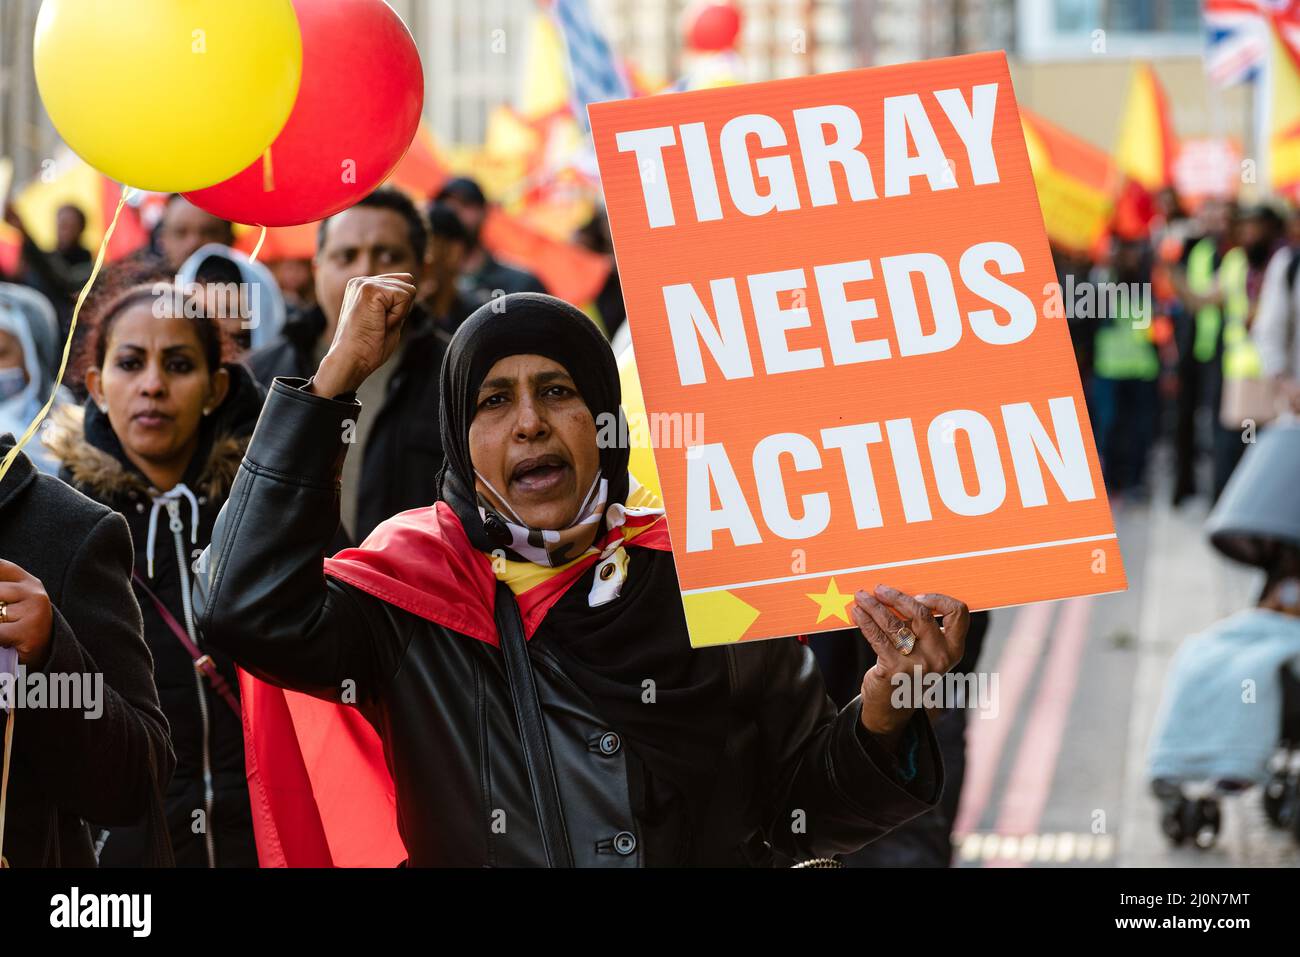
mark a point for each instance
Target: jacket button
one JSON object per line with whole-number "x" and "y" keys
{"x": 625, "y": 842}
{"x": 609, "y": 742}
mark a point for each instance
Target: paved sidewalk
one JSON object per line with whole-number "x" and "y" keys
{"x": 1186, "y": 587}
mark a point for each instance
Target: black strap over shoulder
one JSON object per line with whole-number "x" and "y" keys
{"x": 528, "y": 714}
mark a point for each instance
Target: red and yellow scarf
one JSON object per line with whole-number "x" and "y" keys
{"x": 318, "y": 782}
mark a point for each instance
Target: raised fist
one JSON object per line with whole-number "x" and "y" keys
{"x": 368, "y": 331}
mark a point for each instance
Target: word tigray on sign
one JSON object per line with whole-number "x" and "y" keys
{"x": 841, "y": 278}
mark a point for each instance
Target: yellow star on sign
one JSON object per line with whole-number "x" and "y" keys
{"x": 832, "y": 604}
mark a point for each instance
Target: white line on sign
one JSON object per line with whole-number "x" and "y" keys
{"x": 910, "y": 561}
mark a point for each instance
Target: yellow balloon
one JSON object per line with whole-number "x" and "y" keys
{"x": 642, "y": 462}
{"x": 168, "y": 95}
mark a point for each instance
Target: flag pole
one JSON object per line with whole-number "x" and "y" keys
{"x": 1259, "y": 113}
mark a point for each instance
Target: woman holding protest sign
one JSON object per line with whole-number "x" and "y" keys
{"x": 521, "y": 647}
{"x": 159, "y": 440}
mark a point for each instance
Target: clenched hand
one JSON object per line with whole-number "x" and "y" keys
{"x": 369, "y": 329}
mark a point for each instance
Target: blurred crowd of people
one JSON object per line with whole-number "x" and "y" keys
{"x": 1184, "y": 329}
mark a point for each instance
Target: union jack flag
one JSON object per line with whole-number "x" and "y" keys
{"x": 1237, "y": 36}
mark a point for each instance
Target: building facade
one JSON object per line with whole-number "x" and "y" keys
{"x": 475, "y": 51}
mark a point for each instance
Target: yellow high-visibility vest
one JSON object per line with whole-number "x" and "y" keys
{"x": 1125, "y": 349}
{"x": 1200, "y": 281}
{"x": 1240, "y": 357}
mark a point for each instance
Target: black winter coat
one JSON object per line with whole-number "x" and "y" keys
{"x": 441, "y": 703}
{"x": 403, "y": 452}
{"x": 94, "y": 463}
{"x": 69, "y": 768}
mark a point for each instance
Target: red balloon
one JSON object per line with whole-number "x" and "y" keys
{"x": 715, "y": 27}
{"x": 357, "y": 112}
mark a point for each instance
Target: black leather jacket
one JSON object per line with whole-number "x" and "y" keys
{"x": 798, "y": 779}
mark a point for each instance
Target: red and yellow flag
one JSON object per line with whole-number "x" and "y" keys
{"x": 67, "y": 179}
{"x": 1075, "y": 182}
{"x": 1146, "y": 146}
{"x": 1283, "y": 131}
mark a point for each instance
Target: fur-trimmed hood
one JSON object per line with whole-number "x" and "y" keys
{"x": 92, "y": 459}
{"x": 102, "y": 476}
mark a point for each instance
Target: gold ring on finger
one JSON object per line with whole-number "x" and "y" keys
{"x": 904, "y": 640}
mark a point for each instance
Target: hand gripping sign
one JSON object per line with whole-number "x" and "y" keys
{"x": 840, "y": 281}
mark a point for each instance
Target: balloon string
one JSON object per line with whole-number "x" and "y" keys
{"x": 258, "y": 248}
{"x": 268, "y": 172}
{"x": 4, "y": 774}
{"x": 127, "y": 193}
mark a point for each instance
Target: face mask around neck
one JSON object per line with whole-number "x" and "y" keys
{"x": 549, "y": 547}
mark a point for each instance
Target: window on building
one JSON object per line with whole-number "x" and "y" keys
{"x": 1064, "y": 29}
{"x": 1127, "y": 16}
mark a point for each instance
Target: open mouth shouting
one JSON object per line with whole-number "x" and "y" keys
{"x": 541, "y": 477}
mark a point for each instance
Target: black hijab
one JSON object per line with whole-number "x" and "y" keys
{"x": 611, "y": 650}
{"x": 523, "y": 323}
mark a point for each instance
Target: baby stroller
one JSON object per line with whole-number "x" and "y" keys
{"x": 1213, "y": 738}
{"x": 1191, "y": 811}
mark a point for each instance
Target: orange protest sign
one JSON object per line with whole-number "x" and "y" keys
{"x": 836, "y": 288}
